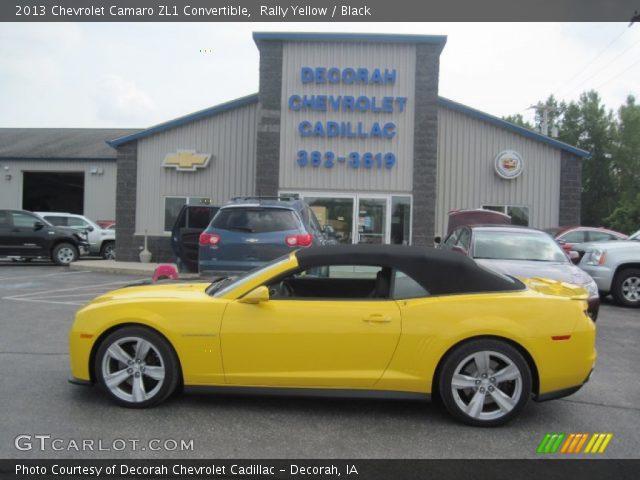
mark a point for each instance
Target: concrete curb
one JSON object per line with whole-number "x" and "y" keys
{"x": 112, "y": 266}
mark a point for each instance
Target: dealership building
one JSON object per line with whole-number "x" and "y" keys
{"x": 352, "y": 123}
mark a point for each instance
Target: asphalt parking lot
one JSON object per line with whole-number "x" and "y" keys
{"x": 37, "y": 304}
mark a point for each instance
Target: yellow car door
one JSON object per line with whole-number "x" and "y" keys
{"x": 309, "y": 342}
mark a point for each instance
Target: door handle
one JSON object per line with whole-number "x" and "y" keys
{"x": 377, "y": 318}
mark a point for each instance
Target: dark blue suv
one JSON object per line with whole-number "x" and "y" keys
{"x": 248, "y": 232}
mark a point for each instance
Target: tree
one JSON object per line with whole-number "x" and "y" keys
{"x": 518, "y": 120}
{"x": 589, "y": 126}
{"x": 626, "y": 168}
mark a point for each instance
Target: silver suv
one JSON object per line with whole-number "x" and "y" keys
{"x": 101, "y": 241}
{"x": 615, "y": 266}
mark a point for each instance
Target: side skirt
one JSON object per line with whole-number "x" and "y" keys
{"x": 309, "y": 392}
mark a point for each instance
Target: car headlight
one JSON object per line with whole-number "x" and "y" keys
{"x": 596, "y": 257}
{"x": 592, "y": 288}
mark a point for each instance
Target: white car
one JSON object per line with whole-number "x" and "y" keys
{"x": 101, "y": 241}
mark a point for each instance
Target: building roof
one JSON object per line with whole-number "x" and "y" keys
{"x": 177, "y": 122}
{"x": 348, "y": 37}
{"x": 59, "y": 143}
{"x": 472, "y": 112}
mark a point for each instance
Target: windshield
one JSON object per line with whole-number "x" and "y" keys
{"x": 635, "y": 236}
{"x": 503, "y": 245}
{"x": 255, "y": 219}
{"x": 222, "y": 286}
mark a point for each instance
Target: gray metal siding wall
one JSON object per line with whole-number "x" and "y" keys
{"x": 229, "y": 137}
{"x": 342, "y": 177}
{"x": 467, "y": 148}
{"x": 99, "y": 190}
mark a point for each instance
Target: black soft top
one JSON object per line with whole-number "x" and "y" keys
{"x": 438, "y": 271}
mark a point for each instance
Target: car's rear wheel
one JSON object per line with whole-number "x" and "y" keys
{"x": 626, "y": 287}
{"x": 485, "y": 382}
{"x": 64, "y": 254}
{"x": 108, "y": 251}
{"x": 136, "y": 367}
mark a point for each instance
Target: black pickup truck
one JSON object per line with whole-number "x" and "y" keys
{"x": 27, "y": 236}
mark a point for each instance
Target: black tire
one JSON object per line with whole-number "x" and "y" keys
{"x": 64, "y": 254}
{"x": 108, "y": 250}
{"x": 160, "y": 355}
{"x": 485, "y": 387}
{"x": 625, "y": 289}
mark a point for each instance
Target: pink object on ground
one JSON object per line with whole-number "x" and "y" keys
{"x": 165, "y": 271}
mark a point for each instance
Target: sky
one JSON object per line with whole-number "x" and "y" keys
{"x": 135, "y": 75}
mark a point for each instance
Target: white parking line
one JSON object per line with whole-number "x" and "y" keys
{"x": 12, "y": 278}
{"x": 67, "y": 295}
{"x": 48, "y": 302}
{"x": 31, "y": 294}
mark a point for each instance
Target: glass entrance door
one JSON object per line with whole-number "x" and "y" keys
{"x": 372, "y": 220}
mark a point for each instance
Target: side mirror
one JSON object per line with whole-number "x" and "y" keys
{"x": 437, "y": 239}
{"x": 38, "y": 225}
{"x": 258, "y": 295}
{"x": 90, "y": 228}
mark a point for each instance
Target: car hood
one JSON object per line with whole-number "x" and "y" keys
{"x": 168, "y": 290}
{"x": 562, "y": 272}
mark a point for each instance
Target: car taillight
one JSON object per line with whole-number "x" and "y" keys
{"x": 299, "y": 240}
{"x": 208, "y": 239}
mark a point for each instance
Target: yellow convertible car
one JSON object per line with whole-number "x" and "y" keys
{"x": 390, "y": 321}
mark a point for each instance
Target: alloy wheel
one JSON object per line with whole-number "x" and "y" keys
{"x": 631, "y": 289}
{"x": 133, "y": 369}
{"x": 486, "y": 385}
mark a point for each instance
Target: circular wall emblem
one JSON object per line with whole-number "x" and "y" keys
{"x": 509, "y": 164}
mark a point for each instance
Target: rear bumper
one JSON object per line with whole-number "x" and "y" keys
{"x": 565, "y": 392}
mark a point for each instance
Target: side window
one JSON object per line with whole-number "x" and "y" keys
{"x": 5, "y": 221}
{"x": 406, "y": 287}
{"x": 76, "y": 222}
{"x": 311, "y": 220}
{"x": 577, "y": 236}
{"x": 357, "y": 282}
{"x": 601, "y": 237}
{"x": 57, "y": 221}
{"x": 464, "y": 240}
{"x": 23, "y": 220}
{"x": 452, "y": 239}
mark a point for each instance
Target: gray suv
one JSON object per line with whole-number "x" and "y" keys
{"x": 615, "y": 266}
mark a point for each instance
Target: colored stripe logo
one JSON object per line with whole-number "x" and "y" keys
{"x": 574, "y": 443}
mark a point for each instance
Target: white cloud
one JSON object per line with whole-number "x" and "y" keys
{"x": 121, "y": 101}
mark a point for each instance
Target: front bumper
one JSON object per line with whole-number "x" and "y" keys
{"x": 79, "y": 381}
{"x": 602, "y": 275}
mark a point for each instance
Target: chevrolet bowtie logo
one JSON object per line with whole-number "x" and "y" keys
{"x": 186, "y": 160}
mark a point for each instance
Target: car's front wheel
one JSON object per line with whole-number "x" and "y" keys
{"x": 136, "y": 367}
{"x": 485, "y": 382}
{"x": 626, "y": 287}
{"x": 64, "y": 254}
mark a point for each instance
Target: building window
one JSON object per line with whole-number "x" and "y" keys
{"x": 173, "y": 205}
{"x": 519, "y": 215}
